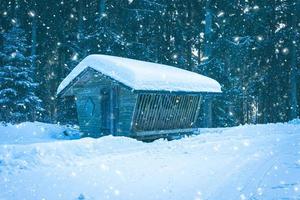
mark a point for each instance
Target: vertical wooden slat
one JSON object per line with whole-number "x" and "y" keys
{"x": 181, "y": 104}
{"x": 150, "y": 114}
{"x": 165, "y": 111}
{"x": 144, "y": 111}
{"x": 139, "y": 111}
{"x": 154, "y": 112}
{"x": 161, "y": 112}
{"x": 172, "y": 112}
{"x": 136, "y": 113}
{"x": 192, "y": 110}
{"x": 168, "y": 112}
{"x": 147, "y": 112}
{"x": 111, "y": 109}
{"x": 195, "y": 109}
{"x": 182, "y": 111}
{"x": 187, "y": 111}
{"x": 116, "y": 107}
{"x": 177, "y": 111}
{"x": 198, "y": 110}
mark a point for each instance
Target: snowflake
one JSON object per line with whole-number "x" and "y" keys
{"x": 256, "y": 7}
{"x": 246, "y": 10}
{"x": 220, "y": 14}
{"x": 14, "y": 21}
{"x": 260, "y": 38}
{"x": 279, "y": 27}
{"x": 285, "y": 51}
{"x": 242, "y": 197}
{"x": 75, "y": 57}
{"x": 259, "y": 191}
{"x": 31, "y": 13}
{"x": 13, "y": 55}
{"x": 116, "y": 192}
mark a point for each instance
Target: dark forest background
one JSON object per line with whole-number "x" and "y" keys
{"x": 252, "y": 47}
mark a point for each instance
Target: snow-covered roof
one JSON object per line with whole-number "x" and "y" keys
{"x": 141, "y": 75}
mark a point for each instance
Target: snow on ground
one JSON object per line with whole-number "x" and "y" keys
{"x": 245, "y": 162}
{"x": 29, "y": 132}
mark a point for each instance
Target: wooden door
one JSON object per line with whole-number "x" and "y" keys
{"x": 105, "y": 111}
{"x": 109, "y": 109}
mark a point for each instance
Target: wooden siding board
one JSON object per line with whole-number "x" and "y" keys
{"x": 158, "y": 119}
{"x": 89, "y": 124}
{"x": 190, "y": 111}
{"x": 90, "y": 87}
{"x": 184, "y": 103}
{"x": 198, "y": 110}
{"x": 127, "y": 104}
{"x": 178, "y": 103}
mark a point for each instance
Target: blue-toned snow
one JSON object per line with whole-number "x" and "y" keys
{"x": 140, "y": 75}
{"x": 245, "y": 162}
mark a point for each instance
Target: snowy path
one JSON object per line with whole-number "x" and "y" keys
{"x": 247, "y": 162}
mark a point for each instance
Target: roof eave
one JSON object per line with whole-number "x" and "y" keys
{"x": 64, "y": 90}
{"x": 177, "y": 92}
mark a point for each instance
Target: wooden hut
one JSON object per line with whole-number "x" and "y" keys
{"x": 127, "y": 97}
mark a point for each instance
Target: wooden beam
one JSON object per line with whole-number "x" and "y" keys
{"x": 198, "y": 111}
{"x": 165, "y": 132}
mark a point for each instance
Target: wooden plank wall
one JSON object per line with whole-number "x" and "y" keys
{"x": 90, "y": 123}
{"x": 89, "y": 89}
{"x": 163, "y": 112}
{"x": 123, "y": 103}
{"x": 127, "y": 101}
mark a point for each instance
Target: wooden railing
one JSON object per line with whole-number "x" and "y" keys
{"x": 162, "y": 112}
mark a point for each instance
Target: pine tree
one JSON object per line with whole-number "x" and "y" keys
{"x": 18, "y": 101}
{"x": 105, "y": 34}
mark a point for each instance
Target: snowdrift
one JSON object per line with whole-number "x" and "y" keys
{"x": 41, "y": 161}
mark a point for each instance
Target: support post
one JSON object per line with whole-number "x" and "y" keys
{"x": 207, "y": 112}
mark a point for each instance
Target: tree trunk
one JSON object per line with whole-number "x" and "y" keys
{"x": 207, "y": 112}
{"x": 33, "y": 43}
{"x": 208, "y": 30}
{"x": 102, "y": 5}
{"x": 293, "y": 73}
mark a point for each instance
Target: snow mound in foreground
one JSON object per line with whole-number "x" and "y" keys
{"x": 295, "y": 121}
{"x": 34, "y": 132}
{"x": 244, "y": 162}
